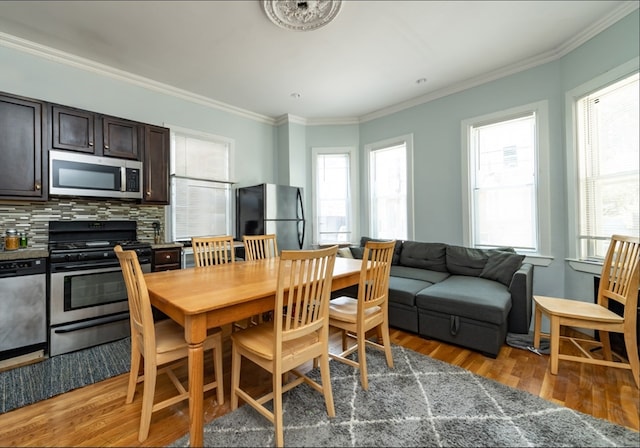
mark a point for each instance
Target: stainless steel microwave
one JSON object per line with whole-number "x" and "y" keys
{"x": 73, "y": 174}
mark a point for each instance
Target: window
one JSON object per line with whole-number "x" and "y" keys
{"x": 391, "y": 189}
{"x": 200, "y": 185}
{"x": 503, "y": 192}
{"x": 607, "y": 166}
{"x": 334, "y": 194}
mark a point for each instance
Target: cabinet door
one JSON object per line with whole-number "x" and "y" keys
{"x": 120, "y": 138}
{"x": 22, "y": 162}
{"x": 73, "y": 129}
{"x": 156, "y": 166}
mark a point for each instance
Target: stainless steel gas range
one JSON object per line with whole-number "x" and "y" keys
{"x": 88, "y": 298}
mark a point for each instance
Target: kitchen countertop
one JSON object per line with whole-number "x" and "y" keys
{"x": 165, "y": 245}
{"x": 23, "y": 254}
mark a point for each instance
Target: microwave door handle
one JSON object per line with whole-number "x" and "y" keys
{"x": 123, "y": 178}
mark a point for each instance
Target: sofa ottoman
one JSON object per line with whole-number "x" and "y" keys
{"x": 467, "y": 311}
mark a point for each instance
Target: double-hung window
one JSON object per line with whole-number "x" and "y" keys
{"x": 391, "y": 188}
{"x": 504, "y": 195}
{"x": 334, "y": 194}
{"x": 607, "y": 136}
{"x": 200, "y": 177}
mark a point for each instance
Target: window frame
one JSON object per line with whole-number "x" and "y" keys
{"x": 572, "y": 167}
{"x": 169, "y": 210}
{"x": 352, "y": 153}
{"x": 407, "y": 140}
{"x": 540, "y": 109}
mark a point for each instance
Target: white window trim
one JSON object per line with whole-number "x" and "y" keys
{"x": 407, "y": 139}
{"x": 207, "y": 136}
{"x": 543, "y": 198}
{"x": 353, "y": 184}
{"x": 571, "y": 98}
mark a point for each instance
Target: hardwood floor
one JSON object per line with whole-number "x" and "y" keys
{"x": 96, "y": 415}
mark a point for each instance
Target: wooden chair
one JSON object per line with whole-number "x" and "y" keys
{"x": 212, "y": 250}
{"x": 618, "y": 282}
{"x": 257, "y": 247}
{"x": 355, "y": 317}
{"x": 298, "y": 333}
{"x": 158, "y": 345}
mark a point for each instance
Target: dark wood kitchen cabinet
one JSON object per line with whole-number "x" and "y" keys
{"x": 89, "y": 132}
{"x": 23, "y": 164}
{"x": 166, "y": 259}
{"x": 155, "y": 178}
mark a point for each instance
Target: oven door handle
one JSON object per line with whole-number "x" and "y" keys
{"x": 92, "y": 323}
{"x": 96, "y": 268}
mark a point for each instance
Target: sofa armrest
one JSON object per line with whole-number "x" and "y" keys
{"x": 521, "y": 289}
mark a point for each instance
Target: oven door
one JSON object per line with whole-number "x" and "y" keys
{"x": 89, "y": 293}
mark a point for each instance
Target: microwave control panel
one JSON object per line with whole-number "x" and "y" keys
{"x": 133, "y": 179}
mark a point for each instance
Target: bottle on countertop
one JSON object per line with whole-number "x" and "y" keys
{"x": 11, "y": 240}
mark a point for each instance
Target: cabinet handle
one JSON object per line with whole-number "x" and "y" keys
{"x": 168, "y": 257}
{"x": 38, "y": 186}
{"x": 106, "y": 146}
{"x": 90, "y": 143}
{"x": 148, "y": 193}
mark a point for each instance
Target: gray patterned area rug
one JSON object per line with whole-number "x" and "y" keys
{"x": 53, "y": 376}
{"x": 420, "y": 402}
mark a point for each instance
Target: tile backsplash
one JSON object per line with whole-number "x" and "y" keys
{"x": 33, "y": 218}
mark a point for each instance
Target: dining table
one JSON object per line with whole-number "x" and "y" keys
{"x": 200, "y": 298}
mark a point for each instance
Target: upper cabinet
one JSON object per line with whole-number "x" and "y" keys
{"x": 155, "y": 178}
{"x": 89, "y": 132}
{"x": 23, "y": 164}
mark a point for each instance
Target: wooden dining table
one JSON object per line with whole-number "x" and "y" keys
{"x": 200, "y": 298}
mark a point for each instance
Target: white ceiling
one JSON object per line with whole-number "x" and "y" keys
{"x": 364, "y": 63}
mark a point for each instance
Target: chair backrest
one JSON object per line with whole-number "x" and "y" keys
{"x": 620, "y": 275}
{"x": 213, "y": 250}
{"x": 373, "y": 288}
{"x": 257, "y": 247}
{"x": 140, "y": 314}
{"x": 303, "y": 293}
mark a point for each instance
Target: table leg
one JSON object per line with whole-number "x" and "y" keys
{"x": 195, "y": 333}
{"x": 196, "y": 378}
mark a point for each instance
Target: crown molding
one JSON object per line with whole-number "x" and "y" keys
{"x": 9, "y": 41}
{"x": 549, "y": 56}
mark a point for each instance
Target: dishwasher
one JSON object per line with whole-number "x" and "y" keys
{"x": 23, "y": 310}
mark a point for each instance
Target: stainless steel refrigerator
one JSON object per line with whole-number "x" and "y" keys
{"x": 269, "y": 208}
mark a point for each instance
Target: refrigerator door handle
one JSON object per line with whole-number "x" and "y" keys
{"x": 300, "y": 205}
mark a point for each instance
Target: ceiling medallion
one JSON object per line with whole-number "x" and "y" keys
{"x": 298, "y": 15}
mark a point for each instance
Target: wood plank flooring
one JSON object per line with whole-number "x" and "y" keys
{"x": 96, "y": 415}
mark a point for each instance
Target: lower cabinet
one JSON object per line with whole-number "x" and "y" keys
{"x": 166, "y": 259}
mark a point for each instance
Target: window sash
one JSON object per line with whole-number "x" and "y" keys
{"x": 608, "y": 161}
{"x": 334, "y": 220}
{"x": 503, "y": 182}
{"x": 388, "y": 187}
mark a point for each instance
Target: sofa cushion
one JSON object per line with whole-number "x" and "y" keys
{"x": 466, "y": 260}
{"x": 464, "y": 296}
{"x": 404, "y": 290}
{"x": 345, "y": 252}
{"x": 501, "y": 266}
{"x": 419, "y": 274}
{"x": 431, "y": 256}
{"x": 396, "y": 249}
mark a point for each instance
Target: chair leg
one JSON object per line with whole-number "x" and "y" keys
{"x": 217, "y": 366}
{"x": 150, "y": 375}
{"x": 555, "y": 343}
{"x": 606, "y": 345}
{"x": 362, "y": 360}
{"x": 344, "y": 339}
{"x": 277, "y": 407}
{"x": 134, "y": 372}
{"x": 236, "y": 360}
{"x": 386, "y": 341}
{"x": 326, "y": 384}
{"x": 537, "y": 326}
{"x": 631, "y": 343}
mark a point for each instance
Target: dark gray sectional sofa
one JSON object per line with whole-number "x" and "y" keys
{"x": 464, "y": 296}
